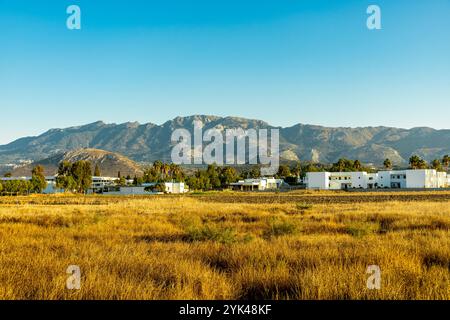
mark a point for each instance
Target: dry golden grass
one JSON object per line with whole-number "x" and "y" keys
{"x": 184, "y": 248}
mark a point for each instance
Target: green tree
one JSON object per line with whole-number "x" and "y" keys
{"x": 176, "y": 173}
{"x": 64, "y": 179}
{"x": 65, "y": 168}
{"x": 310, "y": 167}
{"x": 193, "y": 183}
{"x": 416, "y": 162}
{"x": 38, "y": 182}
{"x": 8, "y": 175}
{"x": 436, "y": 164}
{"x": 342, "y": 165}
{"x": 413, "y": 161}
{"x": 213, "y": 176}
{"x": 82, "y": 175}
{"x": 297, "y": 169}
{"x": 97, "y": 172}
{"x": 255, "y": 172}
{"x": 357, "y": 165}
{"x": 25, "y": 187}
{"x": 122, "y": 181}
{"x": 16, "y": 187}
{"x": 67, "y": 183}
{"x": 137, "y": 181}
{"x": 387, "y": 164}
{"x": 446, "y": 161}
{"x": 162, "y": 172}
{"x": 165, "y": 171}
{"x": 228, "y": 175}
{"x": 201, "y": 180}
{"x": 283, "y": 171}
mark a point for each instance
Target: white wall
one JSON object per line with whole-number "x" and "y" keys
{"x": 359, "y": 180}
{"x": 419, "y": 179}
{"x": 395, "y": 178}
{"x": 128, "y": 191}
{"x": 318, "y": 180}
{"x": 174, "y": 187}
{"x": 384, "y": 179}
{"x": 412, "y": 179}
{"x": 442, "y": 180}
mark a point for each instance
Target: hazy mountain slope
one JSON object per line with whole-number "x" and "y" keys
{"x": 110, "y": 163}
{"x": 149, "y": 142}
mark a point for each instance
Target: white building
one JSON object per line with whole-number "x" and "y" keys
{"x": 125, "y": 191}
{"x": 99, "y": 183}
{"x": 175, "y": 187}
{"x": 260, "y": 184}
{"x": 394, "y": 179}
{"x": 145, "y": 188}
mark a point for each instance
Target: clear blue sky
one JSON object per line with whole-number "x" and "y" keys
{"x": 284, "y": 62}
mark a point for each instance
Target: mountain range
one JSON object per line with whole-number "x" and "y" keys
{"x": 149, "y": 142}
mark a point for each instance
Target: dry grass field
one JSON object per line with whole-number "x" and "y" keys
{"x": 205, "y": 247}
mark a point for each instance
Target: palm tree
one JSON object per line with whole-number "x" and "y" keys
{"x": 436, "y": 164}
{"x": 414, "y": 162}
{"x": 297, "y": 170}
{"x": 175, "y": 171}
{"x": 341, "y": 165}
{"x": 157, "y": 169}
{"x": 446, "y": 161}
{"x": 387, "y": 164}
{"x": 357, "y": 165}
{"x": 157, "y": 165}
{"x": 165, "y": 169}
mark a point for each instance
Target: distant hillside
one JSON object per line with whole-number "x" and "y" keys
{"x": 110, "y": 163}
{"x": 149, "y": 142}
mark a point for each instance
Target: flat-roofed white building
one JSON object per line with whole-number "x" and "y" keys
{"x": 175, "y": 187}
{"x": 125, "y": 190}
{"x": 102, "y": 182}
{"x": 393, "y": 179}
{"x": 318, "y": 180}
{"x": 260, "y": 184}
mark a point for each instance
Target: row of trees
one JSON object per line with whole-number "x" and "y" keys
{"x": 216, "y": 177}
{"x": 299, "y": 170}
{"x": 163, "y": 172}
{"x": 441, "y": 165}
{"x": 346, "y": 165}
{"x": 213, "y": 177}
{"x": 415, "y": 162}
{"x": 21, "y": 187}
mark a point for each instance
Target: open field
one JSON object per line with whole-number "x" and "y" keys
{"x": 299, "y": 245}
{"x": 301, "y": 196}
